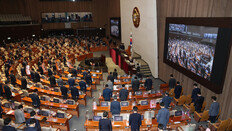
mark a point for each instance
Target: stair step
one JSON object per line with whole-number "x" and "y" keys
{"x": 144, "y": 69}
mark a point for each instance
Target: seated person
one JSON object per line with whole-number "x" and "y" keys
{"x": 31, "y": 126}
{"x": 82, "y": 85}
{"x": 32, "y": 116}
{"x": 35, "y": 99}
{"x": 88, "y": 79}
{"x": 74, "y": 93}
{"x": 52, "y": 80}
{"x": 115, "y": 107}
{"x": 7, "y": 125}
{"x": 107, "y": 93}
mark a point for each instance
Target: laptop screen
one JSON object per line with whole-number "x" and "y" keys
{"x": 56, "y": 100}
{"x": 138, "y": 93}
{"x": 96, "y": 118}
{"x": 124, "y": 103}
{"x": 144, "y": 103}
{"x": 60, "y": 115}
{"x": 118, "y": 118}
{"x": 178, "y": 113}
{"x": 7, "y": 105}
{"x": 104, "y": 103}
{"x": 70, "y": 102}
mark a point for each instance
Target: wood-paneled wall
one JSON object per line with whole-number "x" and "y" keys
{"x": 34, "y": 8}
{"x": 195, "y": 8}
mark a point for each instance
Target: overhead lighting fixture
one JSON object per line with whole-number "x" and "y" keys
{"x": 100, "y": 28}
{"x": 8, "y": 38}
{"x": 33, "y": 35}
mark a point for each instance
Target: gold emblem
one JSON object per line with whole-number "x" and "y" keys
{"x": 136, "y": 17}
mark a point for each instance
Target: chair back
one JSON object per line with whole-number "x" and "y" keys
{"x": 191, "y": 108}
{"x": 171, "y": 93}
{"x": 223, "y": 125}
{"x": 181, "y": 100}
{"x": 203, "y": 106}
{"x": 188, "y": 99}
{"x": 229, "y": 128}
{"x": 205, "y": 116}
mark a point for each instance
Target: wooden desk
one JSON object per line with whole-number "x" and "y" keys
{"x": 117, "y": 89}
{"x": 62, "y": 123}
{"x": 116, "y": 125}
{"x": 126, "y": 82}
{"x": 136, "y": 97}
{"x": 81, "y": 100}
{"x": 72, "y": 109}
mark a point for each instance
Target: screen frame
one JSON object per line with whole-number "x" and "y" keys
{"x": 199, "y": 21}
{"x": 119, "y": 26}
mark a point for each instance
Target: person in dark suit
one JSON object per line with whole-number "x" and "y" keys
{"x": 163, "y": 115}
{"x": 8, "y": 92}
{"x": 88, "y": 79}
{"x": 1, "y": 110}
{"x": 85, "y": 73}
{"x": 32, "y": 117}
{"x": 105, "y": 124}
{"x": 7, "y": 125}
{"x": 79, "y": 69}
{"x": 214, "y": 109}
{"x": 23, "y": 83}
{"x": 135, "y": 85}
{"x": 37, "y": 77}
{"x": 52, "y": 80}
{"x": 195, "y": 91}
{"x": 107, "y": 93}
{"x": 12, "y": 78}
{"x": 64, "y": 92}
{"x": 135, "y": 120}
{"x": 74, "y": 71}
{"x": 31, "y": 126}
{"x": 166, "y": 100}
{"x": 40, "y": 69}
{"x": 115, "y": 74}
{"x": 148, "y": 83}
{"x": 35, "y": 99}
{"x": 110, "y": 77}
{"x": 1, "y": 89}
{"x": 198, "y": 102}
{"x": 172, "y": 82}
{"x": 82, "y": 85}
{"x": 74, "y": 93}
{"x": 123, "y": 94}
{"x": 23, "y": 71}
{"x": 32, "y": 75}
{"x": 115, "y": 107}
{"x": 71, "y": 82}
{"x": 178, "y": 90}
{"x": 50, "y": 73}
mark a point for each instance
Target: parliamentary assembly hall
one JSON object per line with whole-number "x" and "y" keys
{"x": 115, "y": 65}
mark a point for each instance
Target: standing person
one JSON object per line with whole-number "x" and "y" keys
{"x": 172, "y": 82}
{"x": 35, "y": 99}
{"x": 163, "y": 115}
{"x": 64, "y": 92}
{"x": 37, "y": 77}
{"x": 8, "y": 92}
{"x": 135, "y": 120}
{"x": 166, "y": 100}
{"x": 195, "y": 91}
{"x": 107, "y": 93}
{"x": 178, "y": 90}
{"x": 199, "y": 102}
{"x": 105, "y": 124}
{"x": 148, "y": 83}
{"x": 71, "y": 82}
{"x": 123, "y": 93}
{"x": 88, "y": 79}
{"x": 19, "y": 115}
{"x": 74, "y": 93}
{"x": 60, "y": 82}
{"x": 52, "y": 80}
{"x": 12, "y": 78}
{"x": 115, "y": 107}
{"x": 214, "y": 109}
{"x": 32, "y": 117}
{"x": 115, "y": 74}
{"x": 110, "y": 84}
{"x": 7, "y": 125}
{"x": 82, "y": 85}
{"x": 23, "y": 83}
{"x": 110, "y": 77}
{"x": 135, "y": 85}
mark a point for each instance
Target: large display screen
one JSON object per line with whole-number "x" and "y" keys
{"x": 115, "y": 28}
{"x": 192, "y": 47}
{"x": 199, "y": 48}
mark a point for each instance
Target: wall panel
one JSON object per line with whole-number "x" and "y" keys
{"x": 195, "y": 8}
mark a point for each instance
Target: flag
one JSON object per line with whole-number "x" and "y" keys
{"x": 131, "y": 42}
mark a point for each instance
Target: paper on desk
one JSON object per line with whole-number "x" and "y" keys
{"x": 9, "y": 112}
{"x": 13, "y": 94}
